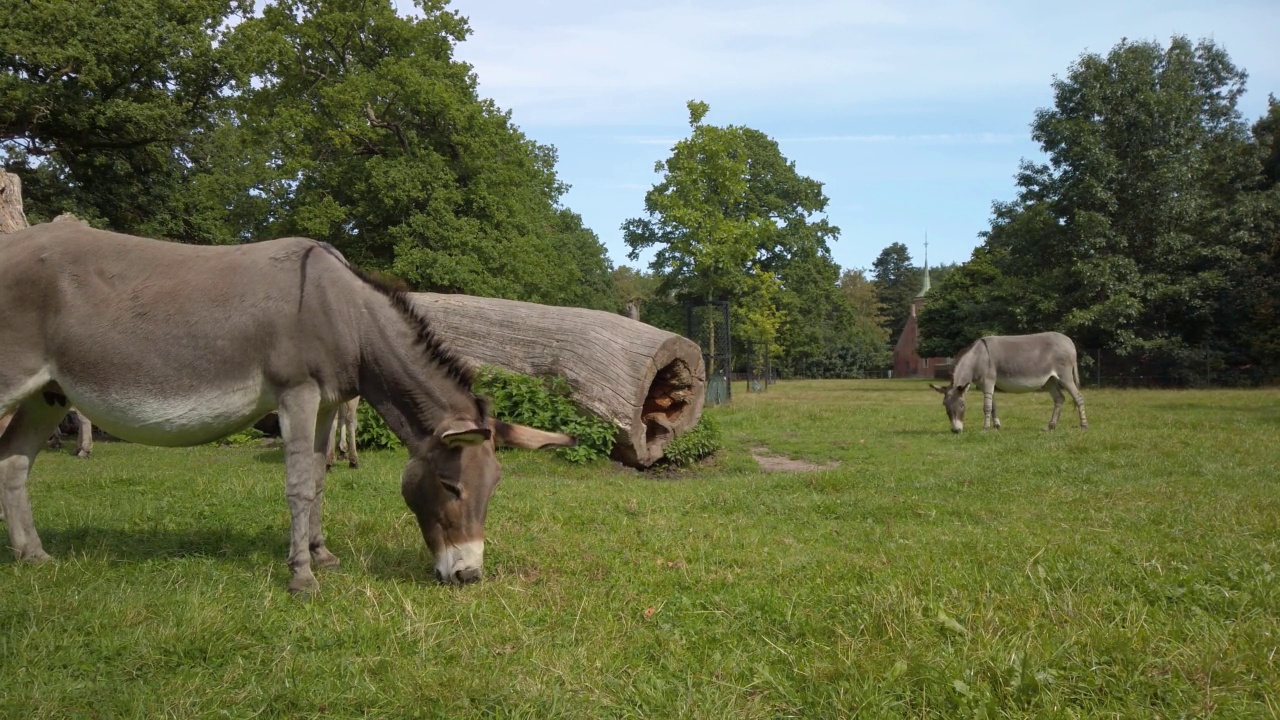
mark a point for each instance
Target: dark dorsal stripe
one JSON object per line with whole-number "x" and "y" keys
{"x": 427, "y": 339}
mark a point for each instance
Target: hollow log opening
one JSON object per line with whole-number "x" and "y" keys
{"x": 669, "y": 395}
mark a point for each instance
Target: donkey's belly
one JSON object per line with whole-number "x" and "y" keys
{"x": 170, "y": 419}
{"x": 1021, "y": 384}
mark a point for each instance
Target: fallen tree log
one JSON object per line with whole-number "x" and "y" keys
{"x": 650, "y": 383}
{"x": 12, "y": 217}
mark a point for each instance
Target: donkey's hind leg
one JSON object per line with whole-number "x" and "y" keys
{"x": 1078, "y": 398}
{"x": 31, "y": 426}
{"x": 1055, "y": 389}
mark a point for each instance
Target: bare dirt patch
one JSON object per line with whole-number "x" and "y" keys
{"x": 777, "y": 463}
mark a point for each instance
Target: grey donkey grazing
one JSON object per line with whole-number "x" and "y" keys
{"x": 1014, "y": 364}
{"x": 169, "y": 344}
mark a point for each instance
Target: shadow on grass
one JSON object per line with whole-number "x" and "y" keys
{"x": 404, "y": 564}
{"x": 944, "y": 430}
{"x": 270, "y": 457}
{"x": 252, "y": 549}
{"x": 118, "y": 545}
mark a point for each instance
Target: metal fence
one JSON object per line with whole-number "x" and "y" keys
{"x": 707, "y": 323}
{"x": 1102, "y": 369}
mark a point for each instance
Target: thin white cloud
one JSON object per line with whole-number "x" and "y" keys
{"x": 576, "y": 62}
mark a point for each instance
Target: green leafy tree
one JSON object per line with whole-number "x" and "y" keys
{"x": 897, "y": 284}
{"x": 1145, "y": 152}
{"x": 588, "y": 260}
{"x": 1254, "y": 303}
{"x": 336, "y": 119}
{"x": 860, "y": 293}
{"x": 1136, "y": 234}
{"x": 816, "y": 316}
{"x": 728, "y": 214}
{"x": 108, "y": 108}
{"x": 382, "y": 146}
{"x": 974, "y": 300}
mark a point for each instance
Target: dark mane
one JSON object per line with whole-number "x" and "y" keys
{"x": 398, "y": 293}
{"x": 966, "y": 349}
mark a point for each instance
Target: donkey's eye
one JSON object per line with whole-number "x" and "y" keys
{"x": 453, "y": 488}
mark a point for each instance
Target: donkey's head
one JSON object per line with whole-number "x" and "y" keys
{"x": 448, "y": 482}
{"x": 953, "y": 403}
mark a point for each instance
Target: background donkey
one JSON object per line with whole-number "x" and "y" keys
{"x": 342, "y": 435}
{"x": 1015, "y": 364}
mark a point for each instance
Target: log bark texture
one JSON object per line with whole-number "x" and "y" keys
{"x": 650, "y": 383}
{"x": 12, "y": 217}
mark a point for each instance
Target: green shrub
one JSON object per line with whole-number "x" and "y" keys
{"x": 700, "y": 441}
{"x": 542, "y": 403}
{"x": 546, "y": 403}
{"x": 247, "y": 436}
{"x": 372, "y": 432}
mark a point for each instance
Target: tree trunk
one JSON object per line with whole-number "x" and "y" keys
{"x": 649, "y": 383}
{"x": 12, "y": 218}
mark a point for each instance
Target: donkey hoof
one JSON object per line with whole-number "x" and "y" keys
{"x": 85, "y": 454}
{"x": 324, "y": 559}
{"x": 355, "y": 465}
{"x": 38, "y": 557}
{"x": 303, "y": 585}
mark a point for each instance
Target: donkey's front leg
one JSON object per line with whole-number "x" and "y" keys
{"x": 988, "y": 408}
{"x": 299, "y": 409}
{"x": 320, "y": 555}
{"x": 35, "y": 420}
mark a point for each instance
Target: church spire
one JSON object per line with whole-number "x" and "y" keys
{"x": 924, "y": 286}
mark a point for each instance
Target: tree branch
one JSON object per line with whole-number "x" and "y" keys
{"x": 395, "y": 127}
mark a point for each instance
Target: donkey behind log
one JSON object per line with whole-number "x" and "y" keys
{"x": 169, "y": 344}
{"x": 1014, "y": 364}
{"x": 84, "y": 434}
{"x": 343, "y": 431}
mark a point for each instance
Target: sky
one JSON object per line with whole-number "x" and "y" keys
{"x": 914, "y": 115}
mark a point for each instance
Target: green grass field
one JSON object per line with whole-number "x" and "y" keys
{"x": 1130, "y": 571}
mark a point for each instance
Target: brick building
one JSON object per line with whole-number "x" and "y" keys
{"x": 906, "y": 363}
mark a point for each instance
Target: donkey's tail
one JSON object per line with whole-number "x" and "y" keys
{"x": 1075, "y": 374}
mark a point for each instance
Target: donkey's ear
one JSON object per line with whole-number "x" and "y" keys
{"x": 939, "y": 389}
{"x": 461, "y": 433}
{"x": 522, "y": 436}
